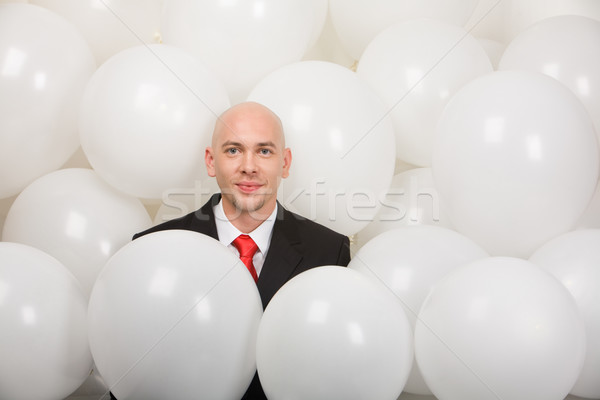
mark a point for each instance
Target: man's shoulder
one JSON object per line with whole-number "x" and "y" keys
{"x": 177, "y": 223}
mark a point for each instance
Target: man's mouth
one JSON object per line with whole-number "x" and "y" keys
{"x": 248, "y": 187}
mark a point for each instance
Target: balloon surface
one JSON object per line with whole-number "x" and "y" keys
{"x": 180, "y": 202}
{"x": 174, "y": 315}
{"x": 409, "y": 261}
{"x": 357, "y": 22}
{"x": 549, "y": 47}
{"x": 342, "y": 142}
{"x": 331, "y": 333}
{"x": 76, "y": 217}
{"x": 515, "y": 161}
{"x": 242, "y": 41}
{"x": 110, "y": 26}
{"x": 574, "y": 259}
{"x": 416, "y": 67}
{"x": 499, "y": 328}
{"x": 44, "y": 67}
{"x": 146, "y": 117}
{"x": 412, "y": 199}
{"x": 45, "y": 351}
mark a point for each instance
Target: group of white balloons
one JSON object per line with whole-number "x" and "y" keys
{"x": 465, "y": 168}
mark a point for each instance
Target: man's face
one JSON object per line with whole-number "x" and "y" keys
{"x": 248, "y": 158}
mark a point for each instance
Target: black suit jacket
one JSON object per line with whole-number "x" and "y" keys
{"x": 297, "y": 245}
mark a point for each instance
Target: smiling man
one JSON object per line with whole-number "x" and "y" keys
{"x": 248, "y": 157}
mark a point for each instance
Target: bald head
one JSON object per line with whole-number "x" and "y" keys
{"x": 249, "y": 114}
{"x": 249, "y": 158}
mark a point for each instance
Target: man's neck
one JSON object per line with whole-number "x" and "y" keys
{"x": 247, "y": 221}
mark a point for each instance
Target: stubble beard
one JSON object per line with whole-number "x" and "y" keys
{"x": 248, "y": 206}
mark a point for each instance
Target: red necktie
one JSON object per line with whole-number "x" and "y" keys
{"x": 247, "y": 248}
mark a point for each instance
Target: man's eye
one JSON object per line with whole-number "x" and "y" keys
{"x": 265, "y": 152}
{"x": 232, "y": 150}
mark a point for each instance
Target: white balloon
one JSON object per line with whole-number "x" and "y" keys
{"x": 412, "y": 199}
{"x": 76, "y": 217}
{"x": 45, "y": 64}
{"x": 110, "y": 26}
{"x": 331, "y": 333}
{"x": 174, "y": 315}
{"x": 547, "y": 47}
{"x": 409, "y": 261}
{"x": 499, "y": 328}
{"x": 357, "y": 22}
{"x": 242, "y": 41}
{"x": 179, "y": 202}
{"x": 574, "y": 259}
{"x": 45, "y": 351}
{"x": 146, "y": 117}
{"x": 341, "y": 141}
{"x": 415, "y": 67}
{"x": 515, "y": 161}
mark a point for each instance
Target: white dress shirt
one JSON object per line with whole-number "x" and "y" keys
{"x": 261, "y": 235}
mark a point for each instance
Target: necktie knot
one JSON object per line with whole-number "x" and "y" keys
{"x": 247, "y": 248}
{"x": 245, "y": 245}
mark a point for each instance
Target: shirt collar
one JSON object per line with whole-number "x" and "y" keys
{"x": 227, "y": 232}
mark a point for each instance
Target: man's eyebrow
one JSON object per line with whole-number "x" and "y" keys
{"x": 266, "y": 144}
{"x": 228, "y": 143}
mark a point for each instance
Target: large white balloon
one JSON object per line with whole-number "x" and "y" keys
{"x": 242, "y": 40}
{"x": 44, "y": 66}
{"x": 548, "y": 47}
{"x": 357, "y": 22}
{"x": 342, "y": 142}
{"x": 76, "y": 217}
{"x": 412, "y": 199}
{"x": 416, "y": 67}
{"x": 174, "y": 315}
{"x": 331, "y": 333}
{"x": 409, "y": 261}
{"x": 110, "y": 26}
{"x": 574, "y": 258}
{"x": 499, "y": 328}
{"x": 45, "y": 351}
{"x": 515, "y": 161}
{"x": 146, "y": 117}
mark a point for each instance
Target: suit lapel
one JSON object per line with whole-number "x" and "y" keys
{"x": 284, "y": 255}
{"x": 204, "y": 218}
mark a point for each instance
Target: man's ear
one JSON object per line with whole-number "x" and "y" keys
{"x": 209, "y": 160}
{"x": 287, "y": 162}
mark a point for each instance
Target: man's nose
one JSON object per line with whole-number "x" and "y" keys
{"x": 249, "y": 163}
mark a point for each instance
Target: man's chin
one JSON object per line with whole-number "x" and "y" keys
{"x": 249, "y": 203}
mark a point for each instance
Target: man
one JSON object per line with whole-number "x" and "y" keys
{"x": 248, "y": 157}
